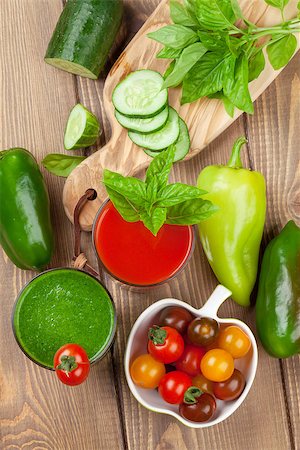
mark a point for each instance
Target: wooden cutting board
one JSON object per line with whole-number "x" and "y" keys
{"x": 206, "y": 118}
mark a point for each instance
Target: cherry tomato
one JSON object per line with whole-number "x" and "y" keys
{"x": 190, "y": 360}
{"x": 71, "y": 364}
{"x": 217, "y": 365}
{"x": 165, "y": 344}
{"x": 203, "y": 383}
{"x": 175, "y": 317}
{"x": 146, "y": 372}
{"x": 234, "y": 341}
{"x": 203, "y": 330}
{"x": 231, "y": 388}
{"x": 200, "y": 411}
{"x": 173, "y": 386}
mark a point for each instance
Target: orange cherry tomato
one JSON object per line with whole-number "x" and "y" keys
{"x": 217, "y": 365}
{"x": 234, "y": 341}
{"x": 203, "y": 384}
{"x": 146, "y": 372}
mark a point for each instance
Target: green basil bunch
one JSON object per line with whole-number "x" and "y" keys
{"x": 214, "y": 57}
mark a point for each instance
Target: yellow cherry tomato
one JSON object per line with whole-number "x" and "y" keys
{"x": 235, "y": 341}
{"x": 146, "y": 372}
{"x": 203, "y": 384}
{"x": 217, "y": 365}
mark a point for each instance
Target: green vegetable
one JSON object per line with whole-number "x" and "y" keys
{"x": 231, "y": 238}
{"x": 148, "y": 125}
{"x": 153, "y": 201}
{"x": 234, "y": 53}
{"x": 84, "y": 35}
{"x": 82, "y": 128}
{"x": 278, "y": 300}
{"x": 61, "y": 165}
{"x": 25, "y": 226}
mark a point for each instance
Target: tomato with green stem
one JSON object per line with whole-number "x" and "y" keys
{"x": 173, "y": 386}
{"x": 197, "y": 406}
{"x": 71, "y": 364}
{"x": 146, "y": 372}
{"x": 165, "y": 344}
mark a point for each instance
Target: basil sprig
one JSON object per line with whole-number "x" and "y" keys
{"x": 213, "y": 56}
{"x": 154, "y": 201}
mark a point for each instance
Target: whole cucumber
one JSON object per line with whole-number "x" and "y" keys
{"x": 25, "y": 226}
{"x": 84, "y": 35}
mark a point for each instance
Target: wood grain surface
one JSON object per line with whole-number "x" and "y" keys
{"x": 205, "y": 118}
{"x": 37, "y": 412}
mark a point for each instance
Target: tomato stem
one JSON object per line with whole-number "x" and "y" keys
{"x": 157, "y": 335}
{"x": 67, "y": 364}
{"x": 191, "y": 394}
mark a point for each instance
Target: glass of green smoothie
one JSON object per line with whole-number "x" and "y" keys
{"x": 61, "y": 306}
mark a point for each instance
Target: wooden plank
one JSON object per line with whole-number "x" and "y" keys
{"x": 274, "y": 142}
{"x": 37, "y": 411}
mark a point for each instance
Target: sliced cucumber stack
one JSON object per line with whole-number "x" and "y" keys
{"x": 158, "y": 140}
{"x": 141, "y": 107}
{"x": 147, "y": 125}
{"x": 82, "y": 128}
{"x": 182, "y": 145}
{"x": 140, "y": 94}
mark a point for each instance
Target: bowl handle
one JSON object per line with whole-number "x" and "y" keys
{"x": 219, "y": 295}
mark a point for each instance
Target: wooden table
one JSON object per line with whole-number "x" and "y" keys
{"x": 37, "y": 411}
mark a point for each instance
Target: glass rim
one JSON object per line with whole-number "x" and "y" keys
{"x": 98, "y": 356}
{"x": 142, "y": 286}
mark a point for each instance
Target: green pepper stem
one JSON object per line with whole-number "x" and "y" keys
{"x": 235, "y": 159}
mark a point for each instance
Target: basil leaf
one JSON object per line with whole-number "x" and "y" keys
{"x": 152, "y": 190}
{"x": 180, "y": 15}
{"x": 256, "y": 65}
{"x": 175, "y": 36}
{"x": 186, "y": 61}
{"x": 169, "y": 53}
{"x": 160, "y": 167}
{"x": 169, "y": 69}
{"x": 178, "y": 193}
{"x": 131, "y": 188}
{"x": 280, "y": 4}
{"x": 205, "y": 78}
{"x": 190, "y": 212}
{"x": 215, "y": 14}
{"x": 281, "y": 51}
{"x": 213, "y": 40}
{"x": 228, "y": 105}
{"x": 61, "y": 165}
{"x": 236, "y": 9}
{"x": 236, "y": 86}
{"x": 128, "y": 210}
{"x": 155, "y": 220}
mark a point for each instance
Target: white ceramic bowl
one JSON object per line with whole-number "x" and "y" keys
{"x": 137, "y": 345}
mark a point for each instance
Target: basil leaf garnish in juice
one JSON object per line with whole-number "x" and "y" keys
{"x": 63, "y": 306}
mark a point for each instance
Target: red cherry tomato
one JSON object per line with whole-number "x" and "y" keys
{"x": 232, "y": 388}
{"x": 173, "y": 386}
{"x": 175, "y": 317}
{"x": 200, "y": 411}
{"x": 203, "y": 331}
{"x": 165, "y": 344}
{"x": 190, "y": 360}
{"x": 71, "y": 364}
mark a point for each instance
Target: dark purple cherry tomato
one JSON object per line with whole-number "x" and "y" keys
{"x": 230, "y": 389}
{"x": 175, "y": 317}
{"x": 202, "y": 410}
{"x": 203, "y": 331}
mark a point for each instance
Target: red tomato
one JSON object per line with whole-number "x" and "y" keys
{"x": 202, "y": 410}
{"x": 190, "y": 360}
{"x": 173, "y": 385}
{"x": 165, "y": 344}
{"x": 71, "y": 364}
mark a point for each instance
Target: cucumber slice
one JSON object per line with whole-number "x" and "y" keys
{"x": 82, "y": 128}
{"x": 140, "y": 94}
{"x": 182, "y": 145}
{"x": 147, "y": 125}
{"x": 161, "y": 139}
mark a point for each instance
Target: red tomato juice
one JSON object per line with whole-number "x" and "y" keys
{"x": 131, "y": 253}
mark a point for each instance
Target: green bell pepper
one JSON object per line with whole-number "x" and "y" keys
{"x": 231, "y": 237}
{"x": 25, "y": 226}
{"x": 278, "y": 300}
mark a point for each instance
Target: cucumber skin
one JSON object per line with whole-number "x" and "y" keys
{"x": 85, "y": 32}
{"x": 142, "y": 132}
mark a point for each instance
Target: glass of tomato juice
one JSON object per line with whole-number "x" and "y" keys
{"x": 131, "y": 254}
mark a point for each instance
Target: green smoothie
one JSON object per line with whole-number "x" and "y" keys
{"x": 63, "y": 306}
